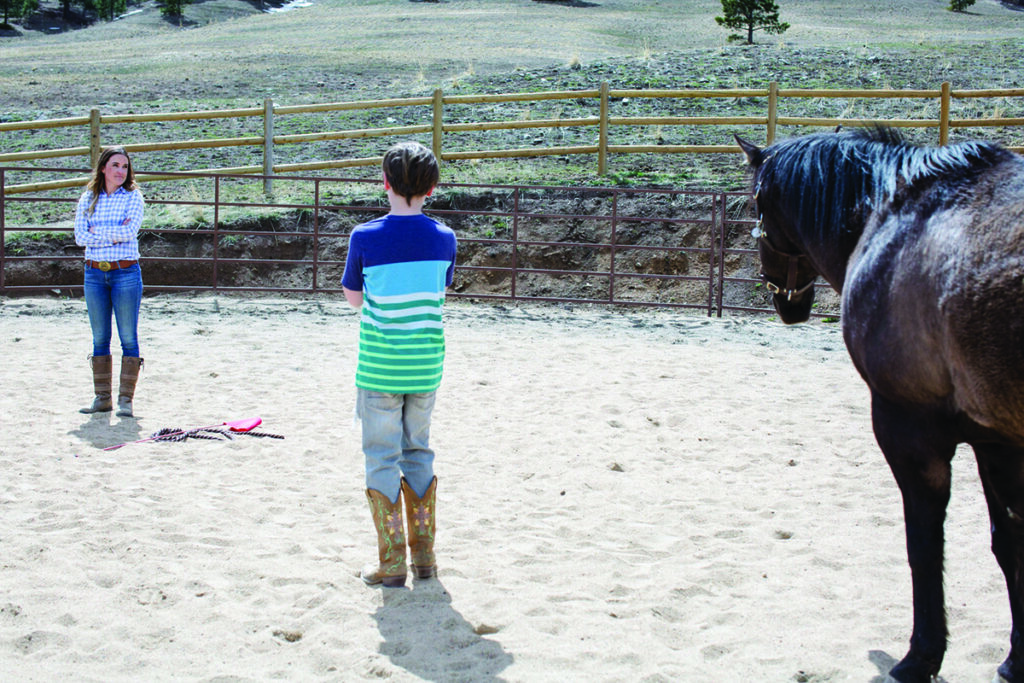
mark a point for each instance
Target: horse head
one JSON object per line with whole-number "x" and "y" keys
{"x": 786, "y": 270}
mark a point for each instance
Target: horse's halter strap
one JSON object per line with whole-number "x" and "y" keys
{"x": 792, "y": 267}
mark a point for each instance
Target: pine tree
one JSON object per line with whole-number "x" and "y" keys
{"x": 959, "y": 5}
{"x": 174, "y": 8}
{"x": 753, "y": 15}
{"x": 13, "y": 9}
{"x": 110, "y": 9}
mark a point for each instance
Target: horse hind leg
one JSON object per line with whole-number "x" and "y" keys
{"x": 919, "y": 449}
{"x": 1002, "y": 475}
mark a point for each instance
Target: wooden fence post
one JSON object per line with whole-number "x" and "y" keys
{"x": 438, "y": 124}
{"x": 94, "y": 137}
{"x": 944, "y": 102}
{"x": 268, "y": 145}
{"x": 773, "y": 110}
{"x": 602, "y": 135}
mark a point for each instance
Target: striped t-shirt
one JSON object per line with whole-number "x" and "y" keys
{"x": 402, "y": 265}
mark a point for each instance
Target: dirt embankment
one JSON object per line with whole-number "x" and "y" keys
{"x": 566, "y": 242}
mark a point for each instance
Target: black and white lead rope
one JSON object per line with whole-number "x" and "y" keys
{"x": 175, "y": 434}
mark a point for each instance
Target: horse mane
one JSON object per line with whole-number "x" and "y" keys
{"x": 834, "y": 177}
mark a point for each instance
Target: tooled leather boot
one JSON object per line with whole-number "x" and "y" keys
{"x": 101, "y": 379}
{"x": 130, "y": 367}
{"x": 420, "y": 516}
{"x": 387, "y": 520}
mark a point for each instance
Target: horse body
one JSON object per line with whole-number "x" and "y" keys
{"x": 933, "y": 304}
{"x": 926, "y": 247}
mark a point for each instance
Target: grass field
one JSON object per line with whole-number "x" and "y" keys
{"x": 227, "y": 54}
{"x": 337, "y": 49}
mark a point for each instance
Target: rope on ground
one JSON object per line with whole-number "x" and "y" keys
{"x": 176, "y": 434}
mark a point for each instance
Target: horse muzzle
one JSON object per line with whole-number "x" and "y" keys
{"x": 795, "y": 309}
{"x": 788, "y": 293}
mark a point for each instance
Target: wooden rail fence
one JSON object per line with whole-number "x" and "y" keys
{"x": 438, "y": 129}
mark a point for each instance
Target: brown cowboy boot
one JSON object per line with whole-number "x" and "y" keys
{"x": 420, "y": 516}
{"x": 101, "y": 378}
{"x": 130, "y": 367}
{"x": 387, "y": 520}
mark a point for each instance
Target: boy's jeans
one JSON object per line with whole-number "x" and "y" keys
{"x": 117, "y": 292}
{"x": 396, "y": 430}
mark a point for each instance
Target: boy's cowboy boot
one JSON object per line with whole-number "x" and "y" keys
{"x": 130, "y": 367}
{"x": 387, "y": 520}
{"x": 420, "y": 516}
{"x": 101, "y": 378}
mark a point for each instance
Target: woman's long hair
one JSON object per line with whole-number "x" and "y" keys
{"x": 97, "y": 182}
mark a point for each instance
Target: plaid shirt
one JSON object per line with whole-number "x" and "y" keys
{"x": 111, "y": 233}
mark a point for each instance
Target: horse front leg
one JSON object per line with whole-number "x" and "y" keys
{"x": 1002, "y": 475}
{"x": 919, "y": 449}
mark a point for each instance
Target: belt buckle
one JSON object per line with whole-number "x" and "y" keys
{"x": 104, "y": 265}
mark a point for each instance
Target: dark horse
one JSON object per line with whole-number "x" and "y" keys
{"x": 926, "y": 246}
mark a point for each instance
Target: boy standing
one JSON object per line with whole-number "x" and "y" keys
{"x": 396, "y": 272}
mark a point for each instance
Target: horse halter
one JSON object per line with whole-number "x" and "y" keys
{"x": 792, "y": 267}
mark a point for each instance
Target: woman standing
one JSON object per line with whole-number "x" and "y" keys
{"x": 107, "y": 224}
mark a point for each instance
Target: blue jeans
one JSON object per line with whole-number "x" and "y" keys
{"x": 396, "y": 431}
{"x": 118, "y": 293}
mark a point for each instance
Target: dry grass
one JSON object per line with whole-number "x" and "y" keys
{"x": 339, "y": 48}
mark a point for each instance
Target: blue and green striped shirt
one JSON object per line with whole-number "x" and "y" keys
{"x": 402, "y": 265}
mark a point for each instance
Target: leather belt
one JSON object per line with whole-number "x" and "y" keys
{"x": 110, "y": 265}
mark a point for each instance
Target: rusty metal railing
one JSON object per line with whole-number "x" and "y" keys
{"x": 593, "y": 245}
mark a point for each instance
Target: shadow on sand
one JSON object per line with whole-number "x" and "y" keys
{"x": 427, "y": 637}
{"x": 101, "y": 430}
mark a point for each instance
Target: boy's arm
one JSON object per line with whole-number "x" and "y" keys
{"x": 352, "y": 278}
{"x": 354, "y": 298}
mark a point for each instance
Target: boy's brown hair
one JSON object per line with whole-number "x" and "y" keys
{"x": 411, "y": 170}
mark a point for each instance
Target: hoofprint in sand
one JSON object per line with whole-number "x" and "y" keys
{"x": 624, "y": 495}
